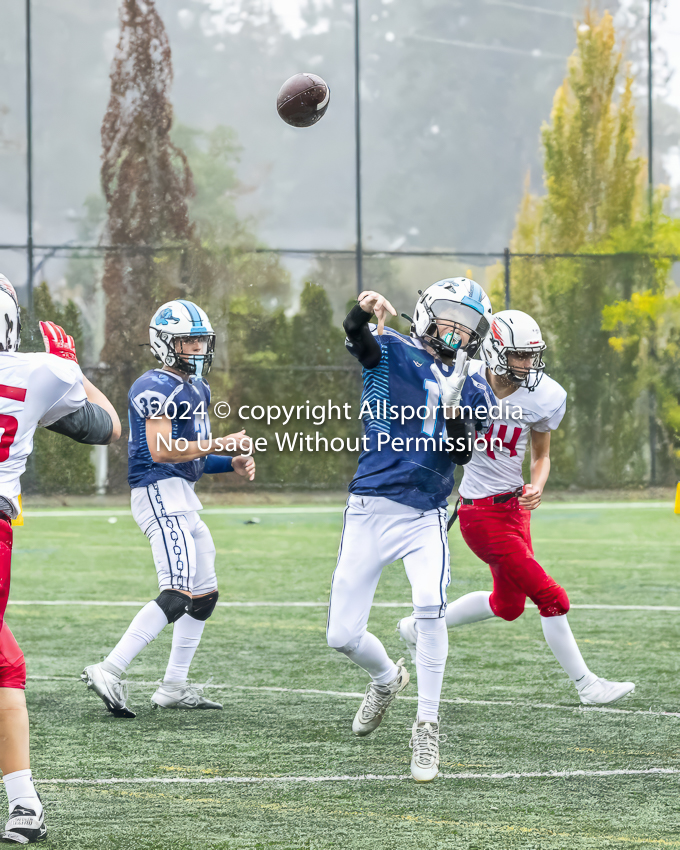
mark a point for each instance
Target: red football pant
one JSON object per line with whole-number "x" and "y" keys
{"x": 500, "y": 535}
{"x": 12, "y": 665}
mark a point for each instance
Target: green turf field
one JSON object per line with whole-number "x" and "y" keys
{"x": 280, "y": 768}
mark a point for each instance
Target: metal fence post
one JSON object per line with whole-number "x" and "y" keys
{"x": 506, "y": 260}
{"x": 357, "y": 143}
{"x": 29, "y": 160}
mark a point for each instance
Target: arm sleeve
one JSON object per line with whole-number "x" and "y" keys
{"x": 218, "y": 463}
{"x": 461, "y": 431}
{"x": 89, "y": 424}
{"x": 360, "y": 341}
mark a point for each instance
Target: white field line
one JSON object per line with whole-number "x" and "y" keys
{"x": 134, "y": 684}
{"x": 362, "y": 777}
{"x": 114, "y": 604}
{"x": 257, "y": 510}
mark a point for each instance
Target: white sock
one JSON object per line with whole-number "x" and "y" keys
{"x": 433, "y": 648}
{"x": 21, "y": 791}
{"x": 469, "y": 609}
{"x": 371, "y": 656}
{"x": 146, "y": 626}
{"x": 563, "y": 644}
{"x": 186, "y": 635}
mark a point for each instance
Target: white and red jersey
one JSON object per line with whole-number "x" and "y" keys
{"x": 35, "y": 389}
{"x": 494, "y": 469}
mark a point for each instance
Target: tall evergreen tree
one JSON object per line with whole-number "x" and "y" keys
{"x": 146, "y": 182}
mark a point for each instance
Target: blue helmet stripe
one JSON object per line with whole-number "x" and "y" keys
{"x": 476, "y": 291}
{"x": 196, "y": 320}
{"x": 470, "y": 302}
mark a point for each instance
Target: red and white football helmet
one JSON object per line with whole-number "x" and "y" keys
{"x": 513, "y": 331}
{"x": 10, "y": 323}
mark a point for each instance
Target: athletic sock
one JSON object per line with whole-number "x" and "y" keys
{"x": 433, "y": 648}
{"x": 146, "y": 626}
{"x": 563, "y": 644}
{"x": 371, "y": 656}
{"x": 186, "y": 635}
{"x": 470, "y": 608}
{"x": 21, "y": 791}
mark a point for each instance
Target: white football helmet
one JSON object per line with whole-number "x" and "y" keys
{"x": 180, "y": 321}
{"x": 516, "y": 332}
{"x": 448, "y": 307}
{"x": 10, "y": 322}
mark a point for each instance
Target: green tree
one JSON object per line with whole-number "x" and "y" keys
{"x": 594, "y": 204}
{"x": 57, "y": 465}
{"x": 300, "y": 361}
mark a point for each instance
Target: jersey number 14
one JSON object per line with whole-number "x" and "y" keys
{"x": 511, "y": 446}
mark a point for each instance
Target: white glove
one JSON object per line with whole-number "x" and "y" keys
{"x": 451, "y": 385}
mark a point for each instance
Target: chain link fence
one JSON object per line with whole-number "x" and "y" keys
{"x": 608, "y": 320}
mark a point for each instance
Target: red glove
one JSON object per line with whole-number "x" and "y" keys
{"x": 57, "y": 341}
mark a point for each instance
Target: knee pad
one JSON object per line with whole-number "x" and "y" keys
{"x": 552, "y": 601}
{"x": 506, "y": 610}
{"x": 12, "y": 663}
{"x": 13, "y": 672}
{"x": 202, "y": 608}
{"x": 341, "y": 639}
{"x": 173, "y": 604}
{"x": 14, "y": 676}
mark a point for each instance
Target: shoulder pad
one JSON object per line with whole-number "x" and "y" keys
{"x": 153, "y": 390}
{"x": 548, "y": 397}
{"x": 66, "y": 370}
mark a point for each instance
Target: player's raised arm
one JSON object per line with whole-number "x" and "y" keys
{"x": 95, "y": 422}
{"x": 360, "y": 341}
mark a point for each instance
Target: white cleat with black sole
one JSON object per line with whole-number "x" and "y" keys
{"x": 406, "y": 629}
{"x": 596, "y": 691}
{"x": 424, "y": 742}
{"x": 24, "y": 827}
{"x": 377, "y": 700}
{"x": 110, "y": 688}
{"x": 181, "y": 695}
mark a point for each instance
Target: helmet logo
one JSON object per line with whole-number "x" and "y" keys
{"x": 165, "y": 317}
{"x": 9, "y": 325}
{"x": 7, "y": 287}
{"x": 496, "y": 332}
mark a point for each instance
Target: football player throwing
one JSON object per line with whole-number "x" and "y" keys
{"x": 46, "y": 390}
{"x": 169, "y": 449}
{"x": 495, "y": 507}
{"x": 397, "y": 503}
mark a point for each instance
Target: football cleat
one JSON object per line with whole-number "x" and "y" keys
{"x": 181, "y": 695}
{"x": 377, "y": 700}
{"x": 406, "y": 628}
{"x": 110, "y": 688}
{"x": 602, "y": 692}
{"x": 24, "y": 827}
{"x": 425, "y": 745}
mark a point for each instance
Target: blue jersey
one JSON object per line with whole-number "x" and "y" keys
{"x": 408, "y": 462}
{"x": 186, "y": 402}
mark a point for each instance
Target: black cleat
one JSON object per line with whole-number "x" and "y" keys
{"x": 24, "y": 827}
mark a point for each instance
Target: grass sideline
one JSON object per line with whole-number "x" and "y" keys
{"x": 521, "y": 716}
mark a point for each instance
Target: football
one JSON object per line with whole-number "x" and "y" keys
{"x": 303, "y": 100}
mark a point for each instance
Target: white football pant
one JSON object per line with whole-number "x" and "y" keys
{"x": 182, "y": 546}
{"x": 375, "y": 532}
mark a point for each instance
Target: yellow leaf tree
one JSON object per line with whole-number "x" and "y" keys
{"x": 594, "y": 206}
